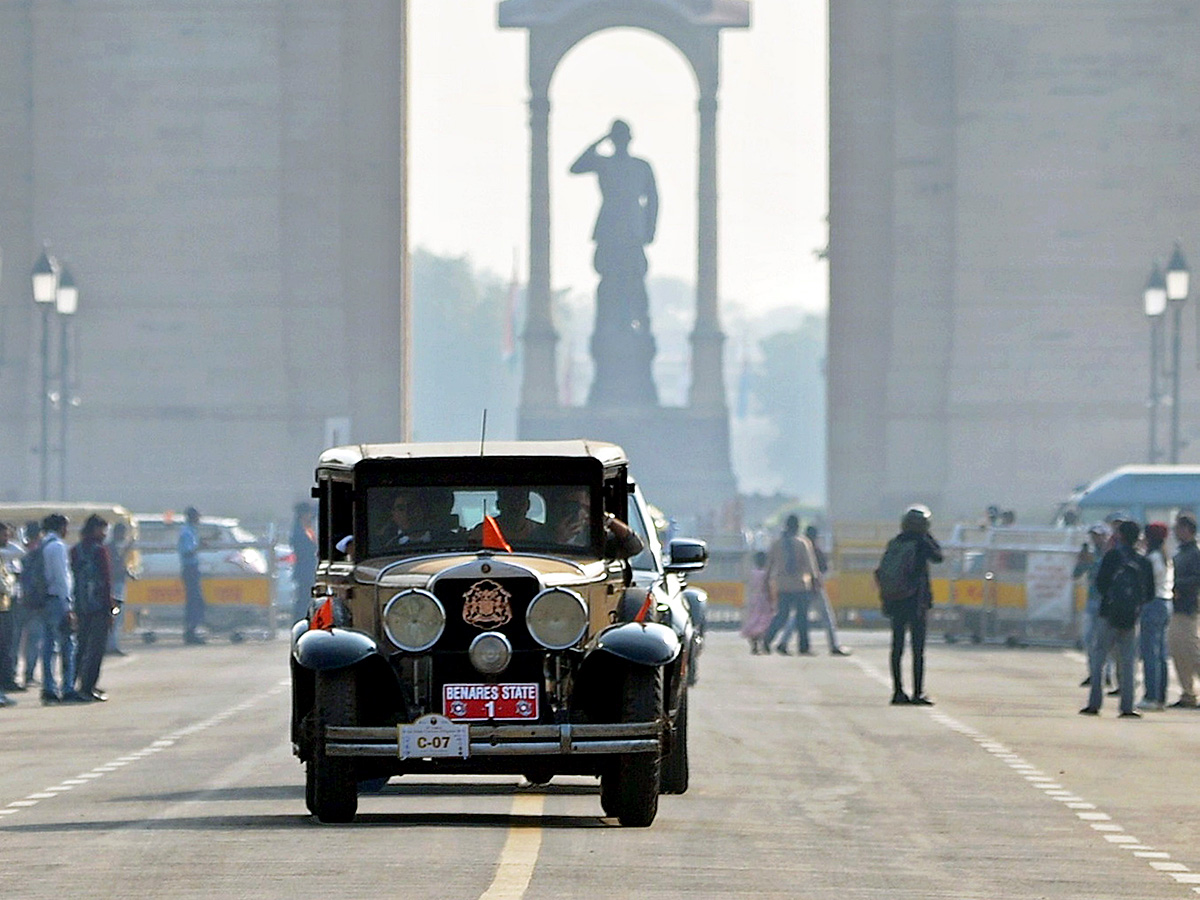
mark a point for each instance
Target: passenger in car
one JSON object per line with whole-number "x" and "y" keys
{"x": 512, "y": 507}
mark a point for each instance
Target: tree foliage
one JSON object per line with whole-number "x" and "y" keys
{"x": 459, "y": 369}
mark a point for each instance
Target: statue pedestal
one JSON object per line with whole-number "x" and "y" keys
{"x": 679, "y": 456}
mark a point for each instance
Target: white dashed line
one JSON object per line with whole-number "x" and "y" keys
{"x": 154, "y": 747}
{"x": 1101, "y": 822}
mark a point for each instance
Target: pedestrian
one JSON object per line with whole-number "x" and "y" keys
{"x": 189, "y": 569}
{"x": 92, "y": 576}
{"x": 1181, "y": 632}
{"x": 1152, "y": 622}
{"x": 821, "y": 596}
{"x": 304, "y": 551}
{"x": 1126, "y": 584}
{"x": 120, "y": 551}
{"x": 1087, "y": 562}
{"x": 29, "y": 620}
{"x": 56, "y": 613}
{"x": 791, "y": 573}
{"x": 10, "y": 554}
{"x": 758, "y": 611}
{"x": 903, "y": 577}
{"x": 8, "y": 615}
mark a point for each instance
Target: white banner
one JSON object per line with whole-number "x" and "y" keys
{"x": 1049, "y": 586}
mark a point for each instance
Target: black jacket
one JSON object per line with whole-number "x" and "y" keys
{"x": 1187, "y": 578}
{"x": 1112, "y": 561}
{"x": 928, "y": 551}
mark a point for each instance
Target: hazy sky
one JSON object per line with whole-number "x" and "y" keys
{"x": 470, "y": 146}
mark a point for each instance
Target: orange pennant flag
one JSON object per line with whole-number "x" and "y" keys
{"x": 493, "y": 538}
{"x": 323, "y": 617}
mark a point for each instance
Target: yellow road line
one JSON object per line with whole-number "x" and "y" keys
{"x": 520, "y": 852}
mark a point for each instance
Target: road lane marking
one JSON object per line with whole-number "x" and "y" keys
{"x": 520, "y": 852}
{"x": 1159, "y": 861}
{"x": 157, "y": 746}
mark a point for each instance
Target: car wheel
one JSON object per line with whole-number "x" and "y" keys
{"x": 334, "y": 786}
{"x": 629, "y": 787}
{"x": 310, "y": 787}
{"x": 675, "y": 763}
{"x": 538, "y": 778}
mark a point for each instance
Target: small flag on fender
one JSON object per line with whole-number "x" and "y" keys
{"x": 493, "y": 538}
{"x": 644, "y": 611}
{"x": 323, "y": 617}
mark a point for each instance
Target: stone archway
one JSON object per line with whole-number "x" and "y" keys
{"x": 555, "y": 27}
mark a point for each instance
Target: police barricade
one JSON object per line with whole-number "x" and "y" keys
{"x": 850, "y": 582}
{"x": 237, "y": 579}
{"x": 1006, "y": 584}
{"x": 1011, "y": 584}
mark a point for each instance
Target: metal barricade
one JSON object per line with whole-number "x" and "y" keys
{"x": 1010, "y": 584}
{"x": 239, "y": 604}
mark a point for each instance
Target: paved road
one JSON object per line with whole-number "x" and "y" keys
{"x": 805, "y": 784}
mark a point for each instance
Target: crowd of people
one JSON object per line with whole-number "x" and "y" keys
{"x": 1140, "y": 603}
{"x": 58, "y": 606}
{"x": 789, "y": 579}
{"x": 787, "y": 582}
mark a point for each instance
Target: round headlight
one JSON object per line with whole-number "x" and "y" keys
{"x": 490, "y": 653}
{"x": 414, "y": 620}
{"x": 557, "y": 618}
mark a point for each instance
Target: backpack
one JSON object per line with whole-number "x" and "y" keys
{"x": 1125, "y": 595}
{"x": 898, "y": 576}
{"x": 33, "y": 578}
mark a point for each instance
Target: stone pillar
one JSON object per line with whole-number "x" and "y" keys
{"x": 539, "y": 384}
{"x": 707, "y": 392}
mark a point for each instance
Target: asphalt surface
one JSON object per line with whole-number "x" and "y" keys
{"x": 805, "y": 783}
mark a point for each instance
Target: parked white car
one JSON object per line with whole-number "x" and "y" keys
{"x": 227, "y": 550}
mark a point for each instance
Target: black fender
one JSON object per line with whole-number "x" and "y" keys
{"x": 647, "y": 644}
{"x": 323, "y": 650}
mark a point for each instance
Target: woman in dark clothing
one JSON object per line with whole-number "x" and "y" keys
{"x": 911, "y": 613}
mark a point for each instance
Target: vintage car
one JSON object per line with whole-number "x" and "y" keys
{"x": 477, "y": 611}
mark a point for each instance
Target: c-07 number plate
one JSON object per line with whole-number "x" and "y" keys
{"x": 434, "y": 736}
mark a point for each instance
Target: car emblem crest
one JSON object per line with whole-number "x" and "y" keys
{"x": 487, "y": 605}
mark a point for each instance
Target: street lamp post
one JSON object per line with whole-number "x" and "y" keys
{"x": 1177, "y": 284}
{"x": 1155, "y": 297}
{"x": 66, "y": 302}
{"x": 45, "y": 292}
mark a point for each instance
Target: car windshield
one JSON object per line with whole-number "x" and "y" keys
{"x": 540, "y": 518}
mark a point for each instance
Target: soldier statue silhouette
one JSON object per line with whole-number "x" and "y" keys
{"x": 622, "y": 344}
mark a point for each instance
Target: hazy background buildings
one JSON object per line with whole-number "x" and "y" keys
{"x": 1002, "y": 176}
{"x": 223, "y": 178}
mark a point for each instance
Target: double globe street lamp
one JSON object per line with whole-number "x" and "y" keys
{"x": 1163, "y": 291}
{"x": 54, "y": 288}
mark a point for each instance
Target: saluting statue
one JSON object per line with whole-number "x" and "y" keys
{"x": 622, "y": 345}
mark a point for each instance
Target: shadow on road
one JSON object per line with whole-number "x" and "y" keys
{"x": 289, "y": 821}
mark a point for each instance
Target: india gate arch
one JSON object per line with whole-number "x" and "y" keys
{"x": 693, "y": 27}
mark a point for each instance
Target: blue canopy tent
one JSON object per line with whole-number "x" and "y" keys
{"x": 1141, "y": 492}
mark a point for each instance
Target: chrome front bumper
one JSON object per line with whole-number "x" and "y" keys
{"x": 508, "y": 740}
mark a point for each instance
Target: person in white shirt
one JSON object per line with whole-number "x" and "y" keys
{"x": 57, "y": 614}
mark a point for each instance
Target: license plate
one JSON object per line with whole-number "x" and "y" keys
{"x": 433, "y": 736}
{"x": 479, "y": 702}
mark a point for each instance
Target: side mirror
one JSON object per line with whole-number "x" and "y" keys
{"x": 686, "y": 555}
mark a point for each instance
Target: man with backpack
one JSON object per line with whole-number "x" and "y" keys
{"x": 1126, "y": 583}
{"x": 906, "y": 593}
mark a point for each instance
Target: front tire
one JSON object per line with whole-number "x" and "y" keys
{"x": 629, "y": 787}
{"x": 675, "y": 763}
{"x": 334, "y": 786}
